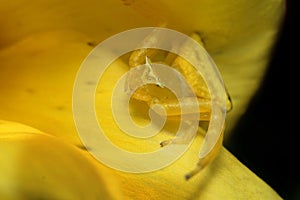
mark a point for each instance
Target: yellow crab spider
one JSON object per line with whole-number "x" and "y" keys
{"x": 171, "y": 105}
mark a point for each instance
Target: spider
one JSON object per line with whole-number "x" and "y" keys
{"x": 156, "y": 94}
{"x": 150, "y": 94}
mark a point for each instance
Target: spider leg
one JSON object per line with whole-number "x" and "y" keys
{"x": 204, "y": 161}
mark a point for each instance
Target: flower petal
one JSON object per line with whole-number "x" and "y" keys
{"x": 35, "y": 165}
{"x": 44, "y": 43}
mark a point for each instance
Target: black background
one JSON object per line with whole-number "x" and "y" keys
{"x": 266, "y": 138}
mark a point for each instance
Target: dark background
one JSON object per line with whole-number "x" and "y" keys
{"x": 266, "y": 138}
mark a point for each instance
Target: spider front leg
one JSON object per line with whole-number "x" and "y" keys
{"x": 173, "y": 108}
{"x": 204, "y": 161}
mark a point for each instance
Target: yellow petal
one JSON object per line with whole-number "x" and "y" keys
{"x": 45, "y": 42}
{"x": 237, "y": 34}
{"x": 34, "y": 165}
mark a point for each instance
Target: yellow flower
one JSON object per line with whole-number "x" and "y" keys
{"x": 43, "y": 43}
{"x": 35, "y": 165}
